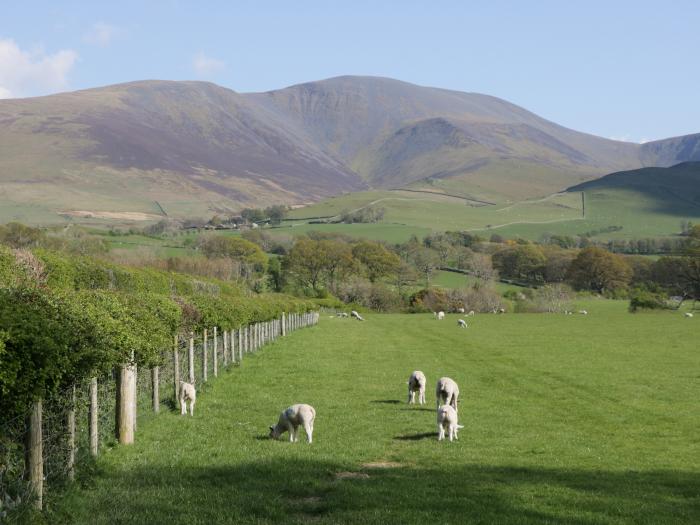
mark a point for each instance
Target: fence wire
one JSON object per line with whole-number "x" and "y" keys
{"x": 57, "y": 450}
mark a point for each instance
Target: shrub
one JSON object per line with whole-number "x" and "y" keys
{"x": 645, "y": 299}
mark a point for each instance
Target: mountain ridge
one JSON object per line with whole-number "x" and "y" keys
{"x": 199, "y": 148}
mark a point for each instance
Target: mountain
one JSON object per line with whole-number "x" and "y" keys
{"x": 191, "y": 147}
{"x": 195, "y": 148}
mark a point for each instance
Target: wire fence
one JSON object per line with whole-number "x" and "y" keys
{"x": 77, "y": 423}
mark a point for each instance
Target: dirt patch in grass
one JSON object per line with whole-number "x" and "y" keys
{"x": 351, "y": 475}
{"x": 382, "y": 464}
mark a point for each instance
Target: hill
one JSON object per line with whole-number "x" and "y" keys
{"x": 193, "y": 147}
{"x": 145, "y": 149}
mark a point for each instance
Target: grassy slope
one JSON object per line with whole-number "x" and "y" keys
{"x": 567, "y": 419}
{"x": 638, "y": 213}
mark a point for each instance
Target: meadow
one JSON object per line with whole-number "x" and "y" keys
{"x": 568, "y": 419}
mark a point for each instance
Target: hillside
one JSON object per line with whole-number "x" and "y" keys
{"x": 145, "y": 149}
{"x": 193, "y": 147}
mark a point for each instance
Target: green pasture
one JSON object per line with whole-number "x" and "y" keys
{"x": 568, "y": 419}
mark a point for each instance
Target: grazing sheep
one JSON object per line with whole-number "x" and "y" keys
{"x": 356, "y": 315}
{"x": 502, "y": 311}
{"x": 446, "y": 392}
{"x": 688, "y": 314}
{"x": 447, "y": 420}
{"x": 471, "y": 313}
{"x": 461, "y": 323}
{"x": 583, "y": 312}
{"x": 460, "y": 310}
{"x": 291, "y": 418}
{"x": 342, "y": 314}
{"x": 187, "y": 393}
{"x": 416, "y": 383}
{"x": 440, "y": 316}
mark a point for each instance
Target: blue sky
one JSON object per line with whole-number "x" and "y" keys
{"x": 621, "y": 69}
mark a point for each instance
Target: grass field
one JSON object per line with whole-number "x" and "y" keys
{"x": 568, "y": 419}
{"x": 637, "y": 213}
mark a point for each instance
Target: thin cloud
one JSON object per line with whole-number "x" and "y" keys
{"x": 101, "y": 34}
{"x": 206, "y": 66}
{"x": 29, "y": 73}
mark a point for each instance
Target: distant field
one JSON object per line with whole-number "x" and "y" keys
{"x": 568, "y": 419}
{"x": 459, "y": 280}
{"x": 636, "y": 212}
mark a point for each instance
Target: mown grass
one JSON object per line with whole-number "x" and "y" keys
{"x": 568, "y": 419}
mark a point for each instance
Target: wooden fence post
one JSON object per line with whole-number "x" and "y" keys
{"x": 205, "y": 358}
{"x": 125, "y": 410}
{"x": 176, "y": 370}
{"x": 216, "y": 349}
{"x": 225, "y": 348}
{"x": 190, "y": 359}
{"x": 284, "y": 330}
{"x": 240, "y": 344}
{"x": 93, "y": 418}
{"x": 232, "y": 338}
{"x": 71, "y": 436}
{"x": 155, "y": 382}
{"x": 35, "y": 454}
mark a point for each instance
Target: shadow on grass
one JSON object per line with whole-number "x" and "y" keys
{"x": 416, "y": 437}
{"x": 387, "y": 401}
{"x": 419, "y": 409}
{"x": 301, "y": 491}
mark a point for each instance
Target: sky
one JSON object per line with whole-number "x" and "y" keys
{"x": 619, "y": 69}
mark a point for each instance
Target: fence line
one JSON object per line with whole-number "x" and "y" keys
{"x": 44, "y": 446}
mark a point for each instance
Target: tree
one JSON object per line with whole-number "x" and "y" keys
{"x": 376, "y": 260}
{"x": 599, "y": 270}
{"x": 426, "y": 262}
{"x": 235, "y": 248}
{"x": 524, "y": 261}
{"x": 276, "y": 213}
{"x": 316, "y": 263}
{"x": 481, "y": 266}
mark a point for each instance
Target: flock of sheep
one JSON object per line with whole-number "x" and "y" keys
{"x": 446, "y": 394}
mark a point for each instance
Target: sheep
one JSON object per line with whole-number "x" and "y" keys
{"x": 342, "y": 314}
{"x": 688, "y": 314}
{"x": 583, "y": 312}
{"x": 446, "y": 390}
{"x": 461, "y": 323}
{"x": 502, "y": 311}
{"x": 416, "y": 383}
{"x": 440, "y": 315}
{"x": 187, "y": 393}
{"x": 460, "y": 310}
{"x": 471, "y": 313}
{"x": 448, "y": 420}
{"x": 356, "y": 315}
{"x": 291, "y": 418}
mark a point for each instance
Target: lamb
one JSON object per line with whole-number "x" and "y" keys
{"x": 416, "y": 383}
{"x": 471, "y": 313}
{"x": 461, "y": 323}
{"x": 688, "y": 314}
{"x": 342, "y": 314}
{"x": 446, "y": 390}
{"x": 356, "y": 315}
{"x": 440, "y": 315}
{"x": 583, "y": 312}
{"x": 460, "y": 310}
{"x": 502, "y": 311}
{"x": 291, "y": 418}
{"x": 447, "y": 420}
{"x": 187, "y": 393}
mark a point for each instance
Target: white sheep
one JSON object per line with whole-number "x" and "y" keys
{"x": 187, "y": 393}
{"x": 342, "y": 314}
{"x": 471, "y": 313}
{"x": 446, "y": 392}
{"x": 583, "y": 312}
{"x": 416, "y": 383}
{"x": 291, "y": 418}
{"x": 448, "y": 420}
{"x": 440, "y": 315}
{"x": 460, "y": 310}
{"x": 502, "y": 311}
{"x": 688, "y": 314}
{"x": 356, "y": 315}
{"x": 461, "y": 323}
